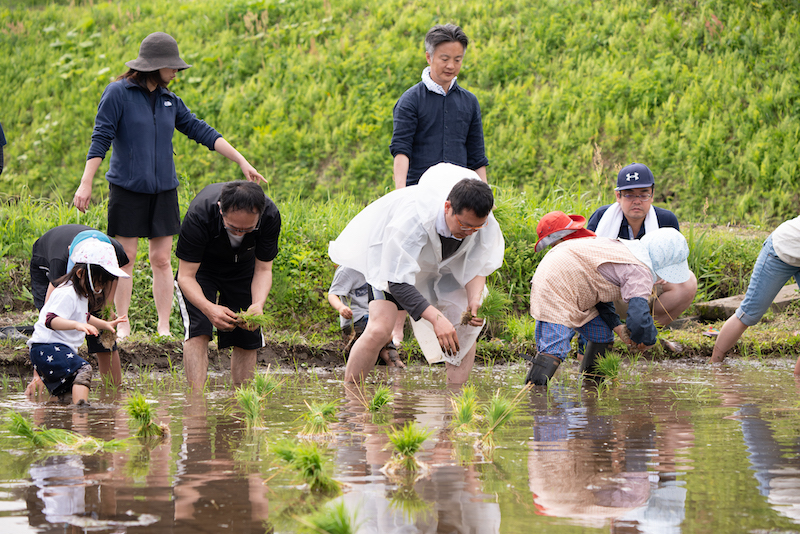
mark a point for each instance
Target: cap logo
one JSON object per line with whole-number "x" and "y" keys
{"x": 632, "y": 176}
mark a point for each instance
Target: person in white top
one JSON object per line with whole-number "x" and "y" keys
{"x": 777, "y": 263}
{"x": 65, "y": 319}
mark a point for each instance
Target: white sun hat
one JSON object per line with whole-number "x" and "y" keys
{"x": 92, "y": 251}
{"x": 665, "y": 252}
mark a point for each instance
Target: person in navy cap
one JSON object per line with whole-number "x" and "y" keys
{"x": 631, "y": 217}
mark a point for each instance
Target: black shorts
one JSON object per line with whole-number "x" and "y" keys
{"x": 233, "y": 290}
{"x": 39, "y": 283}
{"x": 142, "y": 214}
{"x": 377, "y": 294}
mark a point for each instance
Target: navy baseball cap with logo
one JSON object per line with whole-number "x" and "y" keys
{"x": 633, "y": 176}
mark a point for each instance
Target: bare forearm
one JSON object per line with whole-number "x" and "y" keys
{"x": 261, "y": 284}
{"x": 482, "y": 173}
{"x": 227, "y": 150}
{"x": 60, "y": 323}
{"x": 400, "y": 170}
{"x": 475, "y": 289}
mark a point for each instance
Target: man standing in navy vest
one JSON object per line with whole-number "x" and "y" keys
{"x": 436, "y": 120}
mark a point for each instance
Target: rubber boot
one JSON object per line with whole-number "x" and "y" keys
{"x": 594, "y": 351}
{"x": 543, "y": 368}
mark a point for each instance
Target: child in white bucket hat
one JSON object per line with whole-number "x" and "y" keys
{"x": 65, "y": 319}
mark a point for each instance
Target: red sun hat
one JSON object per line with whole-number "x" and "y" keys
{"x": 558, "y": 225}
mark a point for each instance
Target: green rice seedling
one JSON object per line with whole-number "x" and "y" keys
{"x": 306, "y": 459}
{"x": 406, "y": 442}
{"x": 407, "y": 501}
{"x": 465, "y": 408}
{"x": 251, "y": 321}
{"x": 692, "y": 391}
{"x": 609, "y": 365}
{"x": 331, "y": 519}
{"x": 381, "y": 397}
{"x": 265, "y": 383}
{"x": 58, "y": 438}
{"x": 6, "y": 381}
{"x": 249, "y": 402}
{"x": 499, "y": 411}
{"x": 142, "y": 414}
{"x": 319, "y": 415}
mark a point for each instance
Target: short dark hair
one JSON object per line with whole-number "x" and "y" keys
{"x": 471, "y": 194}
{"x": 242, "y": 196}
{"x": 444, "y": 33}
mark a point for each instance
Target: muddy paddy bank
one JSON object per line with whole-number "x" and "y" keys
{"x": 777, "y": 336}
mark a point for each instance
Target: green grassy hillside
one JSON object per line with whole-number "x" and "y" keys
{"x": 704, "y": 92}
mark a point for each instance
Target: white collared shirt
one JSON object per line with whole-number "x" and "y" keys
{"x": 433, "y": 86}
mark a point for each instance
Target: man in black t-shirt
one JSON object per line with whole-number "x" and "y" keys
{"x": 227, "y": 242}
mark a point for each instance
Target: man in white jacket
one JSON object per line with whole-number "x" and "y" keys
{"x": 428, "y": 250}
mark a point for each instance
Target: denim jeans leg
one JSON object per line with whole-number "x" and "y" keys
{"x": 770, "y": 274}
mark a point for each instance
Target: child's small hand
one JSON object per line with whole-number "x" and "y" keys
{"x": 346, "y": 312}
{"x": 86, "y": 328}
{"x": 36, "y": 386}
{"x": 115, "y": 322}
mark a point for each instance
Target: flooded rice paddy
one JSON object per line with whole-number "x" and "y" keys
{"x": 671, "y": 447}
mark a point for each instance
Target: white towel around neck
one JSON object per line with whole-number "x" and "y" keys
{"x": 609, "y": 223}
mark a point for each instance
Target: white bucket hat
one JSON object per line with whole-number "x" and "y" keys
{"x": 92, "y": 251}
{"x": 665, "y": 252}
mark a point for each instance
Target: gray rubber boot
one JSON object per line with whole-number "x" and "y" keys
{"x": 593, "y": 352}
{"x": 543, "y": 368}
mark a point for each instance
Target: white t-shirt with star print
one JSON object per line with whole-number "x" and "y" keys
{"x": 65, "y": 303}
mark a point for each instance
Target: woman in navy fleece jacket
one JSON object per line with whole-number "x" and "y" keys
{"x": 137, "y": 116}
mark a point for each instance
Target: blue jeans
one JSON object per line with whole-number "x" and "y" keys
{"x": 554, "y": 339}
{"x": 770, "y": 274}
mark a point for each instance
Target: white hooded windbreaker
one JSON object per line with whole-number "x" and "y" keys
{"x": 394, "y": 239}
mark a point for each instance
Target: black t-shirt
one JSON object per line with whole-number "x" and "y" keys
{"x": 52, "y": 249}
{"x": 204, "y": 240}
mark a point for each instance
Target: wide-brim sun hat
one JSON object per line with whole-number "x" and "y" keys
{"x": 558, "y": 225}
{"x": 665, "y": 252}
{"x": 86, "y": 234}
{"x": 93, "y": 251}
{"x": 158, "y": 51}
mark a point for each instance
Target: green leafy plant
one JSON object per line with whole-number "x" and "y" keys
{"x": 330, "y": 519}
{"x": 465, "y": 408}
{"x": 318, "y": 418}
{"x": 249, "y": 403}
{"x": 306, "y": 458}
{"x": 406, "y": 442}
{"x": 499, "y": 411}
{"x": 609, "y": 365}
{"x": 57, "y": 438}
{"x": 142, "y": 415}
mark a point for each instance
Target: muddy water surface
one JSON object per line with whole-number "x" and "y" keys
{"x": 670, "y": 448}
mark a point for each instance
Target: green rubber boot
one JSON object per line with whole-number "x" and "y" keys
{"x": 543, "y": 368}
{"x": 593, "y": 352}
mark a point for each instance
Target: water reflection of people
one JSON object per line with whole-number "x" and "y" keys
{"x": 208, "y": 489}
{"x": 589, "y": 467}
{"x": 449, "y": 499}
{"x": 776, "y": 467}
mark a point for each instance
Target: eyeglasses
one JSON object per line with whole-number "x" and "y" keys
{"x": 643, "y": 196}
{"x": 235, "y": 229}
{"x": 464, "y": 227}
